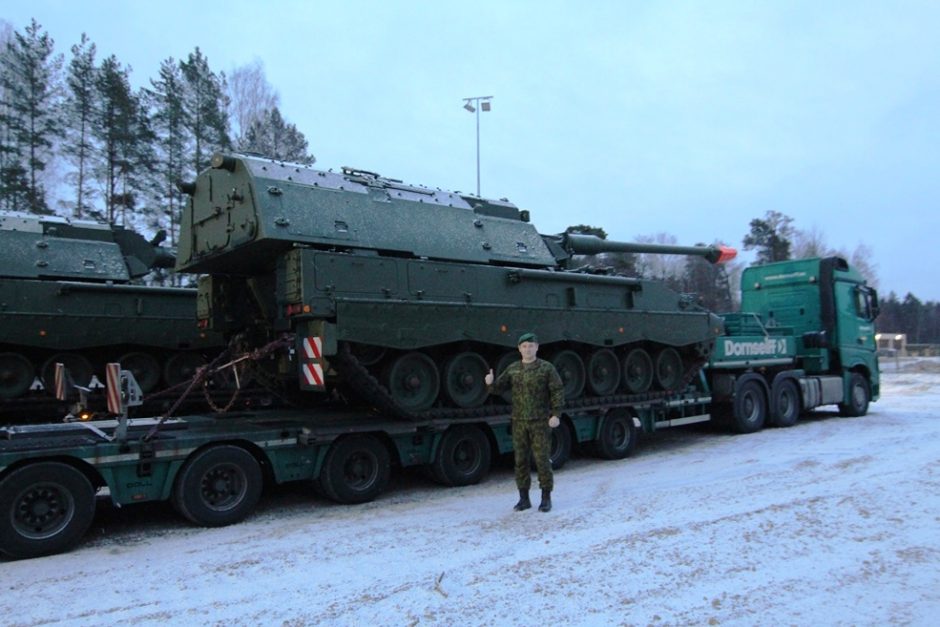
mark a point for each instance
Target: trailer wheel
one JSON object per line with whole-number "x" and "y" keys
{"x": 44, "y": 508}
{"x": 785, "y": 403}
{"x": 617, "y": 436}
{"x": 463, "y": 457}
{"x": 750, "y": 407}
{"x": 218, "y": 486}
{"x": 859, "y": 397}
{"x": 356, "y": 470}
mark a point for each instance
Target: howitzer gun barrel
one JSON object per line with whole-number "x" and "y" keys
{"x": 579, "y": 244}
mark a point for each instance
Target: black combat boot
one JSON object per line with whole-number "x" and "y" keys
{"x": 524, "y": 502}
{"x": 546, "y": 504}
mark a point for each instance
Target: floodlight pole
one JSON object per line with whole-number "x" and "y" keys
{"x": 473, "y": 105}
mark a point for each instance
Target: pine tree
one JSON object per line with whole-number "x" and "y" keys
{"x": 31, "y": 123}
{"x": 205, "y": 103}
{"x": 170, "y": 123}
{"x": 80, "y": 116}
{"x": 272, "y": 137}
{"x": 771, "y": 237}
{"x": 125, "y": 142}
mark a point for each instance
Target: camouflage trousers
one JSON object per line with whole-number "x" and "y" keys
{"x": 532, "y": 437}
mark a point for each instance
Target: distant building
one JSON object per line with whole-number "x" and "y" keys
{"x": 892, "y": 344}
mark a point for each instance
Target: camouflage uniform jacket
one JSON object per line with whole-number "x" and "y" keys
{"x": 537, "y": 389}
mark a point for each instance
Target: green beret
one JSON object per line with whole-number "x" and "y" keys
{"x": 527, "y": 337}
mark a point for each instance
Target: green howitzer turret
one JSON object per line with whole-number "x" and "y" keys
{"x": 69, "y": 295}
{"x": 425, "y": 289}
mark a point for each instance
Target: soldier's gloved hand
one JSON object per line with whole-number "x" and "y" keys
{"x": 553, "y": 422}
{"x": 488, "y": 378}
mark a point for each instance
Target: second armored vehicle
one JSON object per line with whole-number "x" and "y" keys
{"x": 67, "y": 295}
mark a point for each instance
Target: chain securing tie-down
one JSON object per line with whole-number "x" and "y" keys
{"x": 204, "y": 372}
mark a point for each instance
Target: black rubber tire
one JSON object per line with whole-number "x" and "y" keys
{"x": 570, "y": 368}
{"x": 218, "y": 486}
{"x": 45, "y": 508}
{"x": 413, "y": 381}
{"x": 667, "y": 373}
{"x": 462, "y": 458}
{"x": 749, "y": 409}
{"x": 785, "y": 403}
{"x": 356, "y": 469}
{"x": 616, "y": 437}
{"x": 78, "y": 366}
{"x": 859, "y": 397}
{"x": 637, "y": 370}
{"x": 145, "y": 368}
{"x": 463, "y": 380}
{"x": 561, "y": 445}
{"x": 16, "y": 375}
{"x": 603, "y": 372}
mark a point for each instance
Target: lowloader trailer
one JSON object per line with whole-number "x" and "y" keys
{"x": 213, "y": 467}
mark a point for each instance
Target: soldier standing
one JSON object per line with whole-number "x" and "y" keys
{"x": 537, "y": 396}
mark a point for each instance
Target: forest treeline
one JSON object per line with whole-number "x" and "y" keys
{"x": 73, "y": 123}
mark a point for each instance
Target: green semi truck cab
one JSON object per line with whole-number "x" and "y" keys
{"x": 805, "y": 338}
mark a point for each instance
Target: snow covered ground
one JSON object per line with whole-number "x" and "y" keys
{"x": 835, "y": 521}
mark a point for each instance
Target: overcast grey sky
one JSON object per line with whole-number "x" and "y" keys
{"x": 689, "y": 118}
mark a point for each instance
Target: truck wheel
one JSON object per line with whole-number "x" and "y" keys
{"x": 750, "y": 407}
{"x": 617, "y": 436}
{"x": 356, "y": 470}
{"x": 785, "y": 403}
{"x": 44, "y": 508}
{"x": 561, "y": 445}
{"x": 463, "y": 457}
{"x": 218, "y": 486}
{"x": 859, "y": 397}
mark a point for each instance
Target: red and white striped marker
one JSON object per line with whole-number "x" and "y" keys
{"x": 313, "y": 374}
{"x": 113, "y": 372}
{"x": 313, "y": 347}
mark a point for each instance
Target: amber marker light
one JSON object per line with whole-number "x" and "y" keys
{"x": 503, "y": 328}
{"x": 42, "y": 333}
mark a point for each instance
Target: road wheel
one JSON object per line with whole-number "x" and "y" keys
{"x": 785, "y": 403}
{"x": 617, "y": 436}
{"x": 859, "y": 397}
{"x": 356, "y": 469}
{"x": 571, "y": 369}
{"x": 413, "y": 381}
{"x": 16, "y": 375}
{"x": 79, "y": 369}
{"x": 463, "y": 457}
{"x": 144, "y": 367}
{"x": 182, "y": 367}
{"x": 561, "y": 445}
{"x": 463, "y": 380}
{"x": 668, "y": 371}
{"x": 749, "y": 409}
{"x": 603, "y": 372}
{"x": 501, "y": 364}
{"x": 637, "y": 371}
{"x": 44, "y": 508}
{"x": 218, "y": 486}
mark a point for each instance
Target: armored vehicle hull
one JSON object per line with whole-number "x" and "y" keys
{"x": 66, "y": 295}
{"x": 410, "y": 295}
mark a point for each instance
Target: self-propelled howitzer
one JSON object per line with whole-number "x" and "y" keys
{"x": 417, "y": 292}
{"x": 67, "y": 296}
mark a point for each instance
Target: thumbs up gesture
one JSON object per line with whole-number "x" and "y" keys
{"x": 489, "y": 378}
